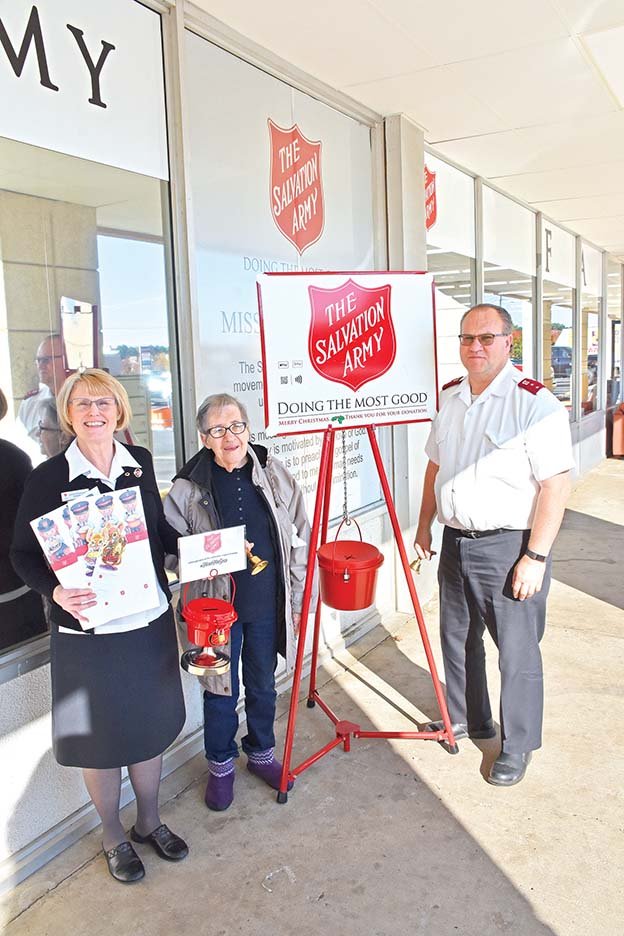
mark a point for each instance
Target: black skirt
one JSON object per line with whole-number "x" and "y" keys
{"x": 116, "y": 698}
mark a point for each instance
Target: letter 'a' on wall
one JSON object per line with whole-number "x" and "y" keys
{"x": 85, "y": 78}
{"x": 279, "y": 183}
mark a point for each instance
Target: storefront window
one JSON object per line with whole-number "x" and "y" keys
{"x": 509, "y": 269}
{"x": 558, "y": 306}
{"x": 558, "y": 299}
{"x": 591, "y": 308}
{"x": 614, "y": 335}
{"x": 280, "y": 183}
{"x": 82, "y": 283}
{"x": 450, "y": 220}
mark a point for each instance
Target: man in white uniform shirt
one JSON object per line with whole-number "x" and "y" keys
{"x": 498, "y": 478}
{"x": 51, "y": 372}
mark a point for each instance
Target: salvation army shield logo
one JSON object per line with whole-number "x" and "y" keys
{"x": 431, "y": 200}
{"x": 297, "y": 203}
{"x": 212, "y": 542}
{"x": 351, "y": 339}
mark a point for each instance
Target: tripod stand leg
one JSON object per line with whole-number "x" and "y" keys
{"x": 412, "y": 590}
{"x": 324, "y": 468}
{"x": 317, "y": 617}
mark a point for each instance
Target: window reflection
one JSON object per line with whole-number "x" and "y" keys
{"x": 454, "y": 277}
{"x": 515, "y": 292}
{"x": 614, "y": 335}
{"x": 82, "y": 282}
{"x": 590, "y": 344}
{"x": 558, "y": 331}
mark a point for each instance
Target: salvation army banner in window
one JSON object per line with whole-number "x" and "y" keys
{"x": 348, "y": 349}
{"x": 280, "y": 182}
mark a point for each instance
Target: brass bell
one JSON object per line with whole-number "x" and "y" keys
{"x": 415, "y": 565}
{"x": 257, "y": 564}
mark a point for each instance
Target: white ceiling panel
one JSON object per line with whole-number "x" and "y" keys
{"x": 341, "y": 43}
{"x": 581, "y": 209}
{"x": 606, "y": 48}
{"x": 548, "y": 82}
{"x": 542, "y": 148}
{"x": 434, "y": 101}
{"x": 524, "y": 94}
{"x": 565, "y": 183}
{"x": 456, "y": 31}
{"x": 583, "y": 16}
{"x": 602, "y": 230}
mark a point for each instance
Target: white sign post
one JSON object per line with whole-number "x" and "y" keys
{"x": 347, "y": 349}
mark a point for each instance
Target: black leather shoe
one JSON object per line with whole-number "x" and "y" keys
{"x": 124, "y": 864}
{"x": 461, "y": 731}
{"x": 508, "y": 769}
{"x": 164, "y": 842}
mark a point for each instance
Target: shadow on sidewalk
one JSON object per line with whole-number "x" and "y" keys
{"x": 365, "y": 846}
{"x": 587, "y": 556}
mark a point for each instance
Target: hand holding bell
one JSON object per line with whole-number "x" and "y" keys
{"x": 257, "y": 564}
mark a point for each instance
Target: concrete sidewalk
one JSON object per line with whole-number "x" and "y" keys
{"x": 401, "y": 837}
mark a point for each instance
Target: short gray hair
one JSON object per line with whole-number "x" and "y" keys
{"x": 505, "y": 317}
{"x": 218, "y": 401}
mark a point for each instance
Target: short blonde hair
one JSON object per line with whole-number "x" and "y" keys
{"x": 4, "y": 406}
{"x": 97, "y": 382}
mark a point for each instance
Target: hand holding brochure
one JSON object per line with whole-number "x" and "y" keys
{"x": 100, "y": 541}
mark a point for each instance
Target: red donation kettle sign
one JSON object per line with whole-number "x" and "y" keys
{"x": 351, "y": 339}
{"x": 297, "y": 203}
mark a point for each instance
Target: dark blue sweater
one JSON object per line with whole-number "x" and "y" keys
{"x": 239, "y": 502}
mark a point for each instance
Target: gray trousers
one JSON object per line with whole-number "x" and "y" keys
{"x": 475, "y": 592}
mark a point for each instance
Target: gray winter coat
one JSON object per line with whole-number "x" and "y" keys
{"x": 190, "y": 508}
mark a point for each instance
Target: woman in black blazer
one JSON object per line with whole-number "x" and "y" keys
{"x": 116, "y": 691}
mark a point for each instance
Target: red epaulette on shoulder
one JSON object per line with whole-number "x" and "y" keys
{"x": 452, "y": 383}
{"x": 31, "y": 393}
{"x": 533, "y": 386}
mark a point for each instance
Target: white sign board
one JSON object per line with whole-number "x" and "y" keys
{"x": 85, "y": 78}
{"x": 206, "y": 555}
{"x": 347, "y": 349}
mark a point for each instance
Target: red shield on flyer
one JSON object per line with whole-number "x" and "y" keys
{"x": 297, "y": 203}
{"x": 431, "y": 201}
{"x": 212, "y": 542}
{"x": 351, "y": 339}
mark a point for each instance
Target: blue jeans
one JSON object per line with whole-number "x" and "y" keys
{"x": 256, "y": 642}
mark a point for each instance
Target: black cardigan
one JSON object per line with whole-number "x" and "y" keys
{"x": 42, "y": 493}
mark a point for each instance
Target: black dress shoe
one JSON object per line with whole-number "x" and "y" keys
{"x": 164, "y": 842}
{"x": 462, "y": 731}
{"x": 508, "y": 769}
{"x": 124, "y": 864}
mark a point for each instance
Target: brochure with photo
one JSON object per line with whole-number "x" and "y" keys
{"x": 99, "y": 541}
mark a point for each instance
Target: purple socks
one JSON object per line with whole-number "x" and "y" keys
{"x": 264, "y": 765}
{"x": 220, "y": 787}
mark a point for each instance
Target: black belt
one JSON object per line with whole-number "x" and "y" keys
{"x": 477, "y": 534}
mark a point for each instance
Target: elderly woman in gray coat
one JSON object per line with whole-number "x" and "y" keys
{"x": 228, "y": 483}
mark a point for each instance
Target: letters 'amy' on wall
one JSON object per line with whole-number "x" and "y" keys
{"x": 85, "y": 79}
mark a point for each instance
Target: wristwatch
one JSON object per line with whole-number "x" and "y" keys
{"x": 533, "y": 555}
